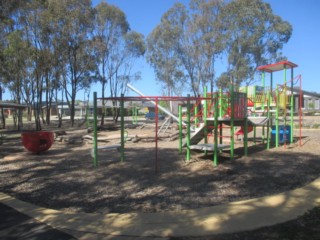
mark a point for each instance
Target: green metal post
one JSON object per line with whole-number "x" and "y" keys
{"x": 95, "y": 131}
{"x": 220, "y": 133}
{"x": 180, "y": 128}
{"x": 122, "y": 126}
{"x": 188, "y": 128}
{"x": 196, "y": 115}
{"x": 205, "y": 114}
{"x": 273, "y": 99}
{"x": 285, "y": 103}
{"x": 216, "y": 113}
{"x": 137, "y": 114}
{"x": 220, "y": 109}
{"x": 262, "y": 104}
{"x": 133, "y": 115}
{"x": 232, "y": 123}
{"x": 291, "y": 108}
{"x": 220, "y": 103}
{"x": 254, "y": 108}
{"x": 245, "y": 137}
{"x": 269, "y": 116}
{"x": 277, "y": 118}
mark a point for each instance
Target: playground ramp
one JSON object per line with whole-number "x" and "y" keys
{"x": 208, "y": 147}
{"x": 257, "y": 121}
{"x": 198, "y": 135}
{"x": 252, "y": 121}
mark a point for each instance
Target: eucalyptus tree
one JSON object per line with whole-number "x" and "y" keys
{"x": 31, "y": 22}
{"x": 116, "y": 49}
{"x": 254, "y": 36}
{"x": 206, "y": 31}
{"x": 185, "y": 44}
{"x": 123, "y": 56}
{"x": 110, "y": 24}
{"x": 8, "y": 16}
{"x": 16, "y": 62}
{"x": 163, "y": 58}
{"x": 71, "y": 25}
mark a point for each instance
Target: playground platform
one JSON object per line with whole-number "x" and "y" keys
{"x": 226, "y": 218}
{"x": 199, "y": 133}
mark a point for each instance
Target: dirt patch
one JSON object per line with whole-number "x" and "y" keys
{"x": 64, "y": 177}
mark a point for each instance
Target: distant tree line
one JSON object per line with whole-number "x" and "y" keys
{"x": 52, "y": 49}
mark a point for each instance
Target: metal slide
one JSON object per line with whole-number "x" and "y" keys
{"x": 198, "y": 135}
{"x": 166, "y": 111}
{"x": 195, "y": 137}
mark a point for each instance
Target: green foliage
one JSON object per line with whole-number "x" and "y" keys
{"x": 187, "y": 42}
{"x": 115, "y": 47}
{"x": 311, "y": 105}
{"x": 183, "y": 47}
{"x": 254, "y": 36}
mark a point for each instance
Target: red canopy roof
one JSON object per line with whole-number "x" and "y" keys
{"x": 277, "y": 66}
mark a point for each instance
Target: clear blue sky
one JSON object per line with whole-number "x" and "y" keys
{"x": 303, "y": 48}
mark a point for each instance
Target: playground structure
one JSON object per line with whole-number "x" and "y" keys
{"x": 278, "y": 104}
{"x": 213, "y": 113}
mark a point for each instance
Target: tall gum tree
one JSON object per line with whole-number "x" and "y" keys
{"x": 185, "y": 45}
{"x": 254, "y": 36}
{"x": 71, "y": 22}
{"x": 110, "y": 24}
{"x": 124, "y": 54}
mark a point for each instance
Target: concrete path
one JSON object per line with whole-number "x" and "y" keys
{"x": 15, "y": 225}
{"x": 226, "y": 218}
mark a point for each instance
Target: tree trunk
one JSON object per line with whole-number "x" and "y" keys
{"x": 72, "y": 109}
{"x": 103, "y": 104}
{"x": 3, "y": 119}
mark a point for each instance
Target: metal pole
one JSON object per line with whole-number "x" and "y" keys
{"x": 188, "y": 128}
{"x": 95, "y": 131}
{"x": 277, "y": 117}
{"x": 154, "y": 103}
{"x": 133, "y": 115}
{"x": 262, "y": 104}
{"x": 285, "y": 106}
{"x": 291, "y": 108}
{"x": 220, "y": 103}
{"x": 122, "y": 126}
{"x": 269, "y": 116}
{"x": 232, "y": 123}
{"x": 196, "y": 115}
{"x": 205, "y": 114}
{"x": 245, "y": 137}
{"x": 156, "y": 160}
{"x": 254, "y": 108}
{"x": 216, "y": 114}
{"x": 300, "y": 111}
